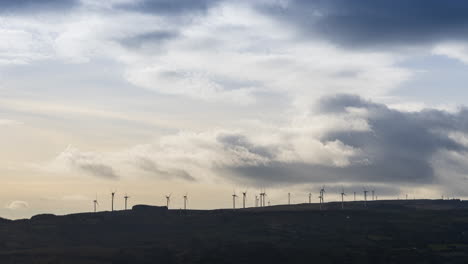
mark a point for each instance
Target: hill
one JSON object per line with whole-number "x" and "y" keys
{"x": 413, "y": 231}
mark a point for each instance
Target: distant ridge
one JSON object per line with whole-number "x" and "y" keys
{"x": 392, "y": 231}
{"x": 423, "y": 204}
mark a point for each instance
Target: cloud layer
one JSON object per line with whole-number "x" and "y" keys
{"x": 208, "y": 50}
{"x": 370, "y": 23}
{"x": 253, "y": 93}
{"x": 345, "y": 139}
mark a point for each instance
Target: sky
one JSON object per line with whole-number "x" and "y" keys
{"x": 211, "y": 97}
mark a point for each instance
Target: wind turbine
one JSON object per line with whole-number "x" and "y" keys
{"x": 321, "y": 196}
{"x": 256, "y": 201}
{"x": 322, "y": 193}
{"x": 322, "y": 190}
{"x": 373, "y": 195}
{"x": 168, "y": 199}
{"x": 95, "y": 203}
{"x": 342, "y": 198}
{"x": 365, "y": 197}
{"x": 262, "y": 198}
{"x": 185, "y": 201}
{"x": 126, "y": 198}
{"x": 320, "y": 199}
{"x": 244, "y": 195}
{"x": 263, "y": 195}
{"x": 354, "y": 196}
{"x": 310, "y": 197}
{"x": 289, "y": 198}
{"x": 234, "y": 196}
{"x": 112, "y": 201}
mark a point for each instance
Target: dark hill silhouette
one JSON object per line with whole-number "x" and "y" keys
{"x": 402, "y": 231}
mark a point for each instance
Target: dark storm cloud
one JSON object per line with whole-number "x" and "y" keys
{"x": 376, "y": 22}
{"x": 26, "y": 6}
{"x": 169, "y": 7}
{"x": 398, "y": 148}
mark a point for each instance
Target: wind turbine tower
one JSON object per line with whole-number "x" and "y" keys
{"x": 95, "y": 203}
{"x": 373, "y": 195}
{"x": 322, "y": 193}
{"x": 342, "y": 198}
{"x": 126, "y": 198}
{"x": 262, "y": 199}
{"x": 321, "y": 196}
{"x": 234, "y": 196}
{"x": 289, "y": 198}
{"x": 322, "y": 190}
{"x": 320, "y": 199}
{"x": 168, "y": 199}
{"x": 354, "y": 196}
{"x": 244, "y": 195}
{"x": 365, "y": 197}
{"x": 185, "y": 201}
{"x": 112, "y": 201}
{"x": 310, "y": 197}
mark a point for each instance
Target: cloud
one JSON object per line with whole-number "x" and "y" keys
{"x": 168, "y": 7}
{"x": 150, "y": 166}
{"x": 191, "y": 64}
{"x": 399, "y": 147}
{"x": 216, "y": 54}
{"x": 27, "y": 6}
{"x": 105, "y": 165}
{"x": 374, "y": 23}
{"x": 75, "y": 197}
{"x": 344, "y": 139}
{"x": 455, "y": 50}
{"x": 17, "y": 205}
{"x": 8, "y": 122}
{"x": 73, "y": 160}
{"x": 148, "y": 38}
